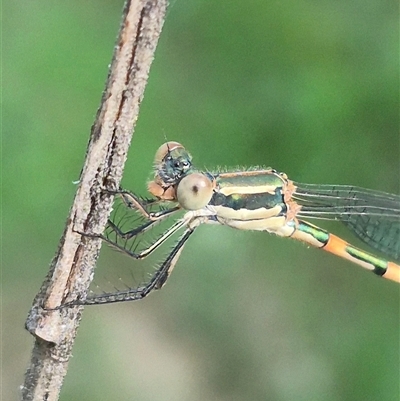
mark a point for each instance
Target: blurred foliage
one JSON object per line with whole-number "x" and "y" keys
{"x": 310, "y": 88}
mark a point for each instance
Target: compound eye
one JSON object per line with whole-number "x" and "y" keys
{"x": 164, "y": 149}
{"x": 194, "y": 191}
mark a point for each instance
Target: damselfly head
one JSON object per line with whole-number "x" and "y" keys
{"x": 171, "y": 163}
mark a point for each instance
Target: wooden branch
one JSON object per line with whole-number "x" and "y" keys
{"x": 71, "y": 270}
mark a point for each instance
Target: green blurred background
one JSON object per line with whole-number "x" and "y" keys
{"x": 308, "y": 87}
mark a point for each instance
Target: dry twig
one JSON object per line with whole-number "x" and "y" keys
{"x": 71, "y": 270}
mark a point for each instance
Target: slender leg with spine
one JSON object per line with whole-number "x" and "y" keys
{"x": 156, "y": 282}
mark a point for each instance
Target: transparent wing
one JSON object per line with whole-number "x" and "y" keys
{"x": 373, "y": 216}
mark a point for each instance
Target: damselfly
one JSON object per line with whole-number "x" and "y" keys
{"x": 254, "y": 199}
